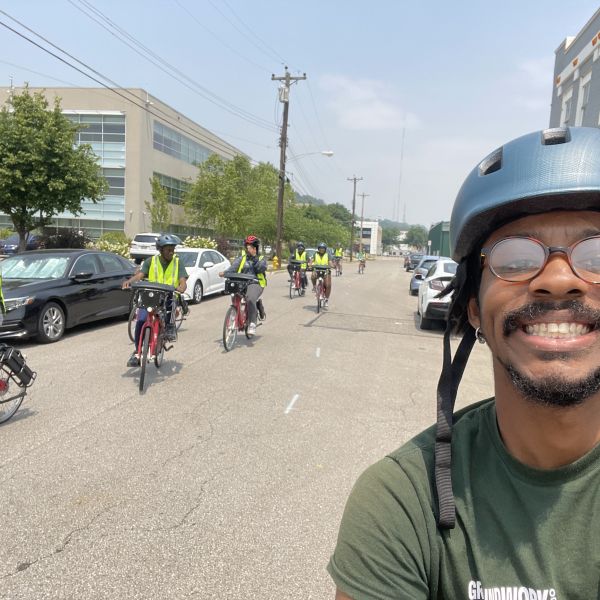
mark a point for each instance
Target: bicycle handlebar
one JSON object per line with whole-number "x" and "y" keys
{"x": 147, "y": 285}
{"x": 242, "y": 277}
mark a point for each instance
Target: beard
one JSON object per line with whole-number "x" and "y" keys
{"x": 555, "y": 391}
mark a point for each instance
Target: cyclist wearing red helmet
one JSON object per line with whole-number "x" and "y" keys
{"x": 251, "y": 263}
{"x": 502, "y": 498}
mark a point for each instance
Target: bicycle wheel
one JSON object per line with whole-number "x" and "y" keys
{"x": 230, "y": 328}
{"x": 178, "y": 317}
{"x": 292, "y": 283}
{"x": 319, "y": 301}
{"x": 9, "y": 405}
{"x": 144, "y": 358}
{"x": 160, "y": 350}
{"x": 131, "y": 323}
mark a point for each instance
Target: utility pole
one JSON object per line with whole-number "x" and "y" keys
{"x": 284, "y": 97}
{"x": 362, "y": 215}
{"x": 354, "y": 179}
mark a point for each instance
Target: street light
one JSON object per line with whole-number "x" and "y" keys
{"x": 328, "y": 153}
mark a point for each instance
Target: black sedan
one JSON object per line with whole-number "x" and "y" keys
{"x": 48, "y": 291}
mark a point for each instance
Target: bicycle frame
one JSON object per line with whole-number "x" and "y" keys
{"x": 241, "y": 310}
{"x": 155, "y": 322}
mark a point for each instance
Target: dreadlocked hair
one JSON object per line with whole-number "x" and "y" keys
{"x": 465, "y": 286}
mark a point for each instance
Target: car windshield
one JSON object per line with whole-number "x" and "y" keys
{"x": 188, "y": 259}
{"x": 450, "y": 268}
{"x": 145, "y": 239}
{"x": 34, "y": 266}
{"x": 426, "y": 264}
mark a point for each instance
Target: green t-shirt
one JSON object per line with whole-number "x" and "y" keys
{"x": 521, "y": 533}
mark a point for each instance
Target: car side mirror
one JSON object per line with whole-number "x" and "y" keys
{"x": 419, "y": 276}
{"x": 82, "y": 276}
{"x": 208, "y": 264}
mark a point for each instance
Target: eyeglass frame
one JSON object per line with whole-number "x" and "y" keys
{"x": 548, "y": 250}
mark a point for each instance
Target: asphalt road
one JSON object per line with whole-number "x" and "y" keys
{"x": 228, "y": 477}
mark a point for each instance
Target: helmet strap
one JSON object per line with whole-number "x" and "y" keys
{"x": 452, "y": 372}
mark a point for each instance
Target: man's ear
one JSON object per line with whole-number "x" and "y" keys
{"x": 474, "y": 313}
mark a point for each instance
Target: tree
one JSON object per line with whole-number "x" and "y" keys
{"x": 160, "y": 211}
{"x": 389, "y": 235}
{"x": 416, "y": 236}
{"x": 42, "y": 173}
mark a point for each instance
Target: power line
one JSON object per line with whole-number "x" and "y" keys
{"x": 167, "y": 118}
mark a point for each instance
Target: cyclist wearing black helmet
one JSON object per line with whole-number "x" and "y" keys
{"x": 321, "y": 259}
{"x": 501, "y": 499}
{"x": 252, "y": 263}
{"x": 164, "y": 267}
{"x": 299, "y": 255}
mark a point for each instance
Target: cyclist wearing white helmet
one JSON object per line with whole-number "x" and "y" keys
{"x": 501, "y": 499}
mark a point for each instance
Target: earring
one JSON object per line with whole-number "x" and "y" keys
{"x": 479, "y": 335}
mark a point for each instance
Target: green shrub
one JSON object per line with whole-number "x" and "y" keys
{"x": 67, "y": 238}
{"x": 115, "y": 237}
{"x": 121, "y": 248}
{"x": 195, "y": 241}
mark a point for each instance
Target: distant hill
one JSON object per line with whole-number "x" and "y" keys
{"x": 306, "y": 199}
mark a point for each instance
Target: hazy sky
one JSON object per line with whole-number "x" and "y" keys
{"x": 460, "y": 78}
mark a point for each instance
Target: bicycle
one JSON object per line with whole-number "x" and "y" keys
{"x": 361, "y": 267}
{"x": 296, "y": 283}
{"x": 13, "y": 370}
{"x": 320, "y": 286}
{"x": 236, "y": 317}
{"x": 338, "y": 266}
{"x": 154, "y": 298}
{"x": 180, "y": 315}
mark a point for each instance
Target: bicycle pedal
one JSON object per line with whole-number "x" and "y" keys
{"x": 167, "y": 348}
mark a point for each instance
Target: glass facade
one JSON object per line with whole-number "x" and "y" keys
{"x": 171, "y": 142}
{"x": 176, "y": 188}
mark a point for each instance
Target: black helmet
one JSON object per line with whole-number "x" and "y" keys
{"x": 300, "y": 245}
{"x": 554, "y": 169}
{"x": 166, "y": 240}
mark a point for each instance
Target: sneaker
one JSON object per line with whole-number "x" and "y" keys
{"x": 252, "y": 329}
{"x": 133, "y": 361}
{"x": 262, "y": 313}
{"x": 171, "y": 333}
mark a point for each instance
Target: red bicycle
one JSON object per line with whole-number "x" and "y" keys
{"x": 337, "y": 261}
{"x": 13, "y": 370}
{"x": 154, "y": 298}
{"x": 236, "y": 317}
{"x": 322, "y": 273}
{"x": 296, "y": 283}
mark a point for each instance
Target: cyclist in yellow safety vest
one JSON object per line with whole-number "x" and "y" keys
{"x": 166, "y": 268}
{"x": 321, "y": 259}
{"x": 299, "y": 255}
{"x": 252, "y": 263}
{"x": 339, "y": 254}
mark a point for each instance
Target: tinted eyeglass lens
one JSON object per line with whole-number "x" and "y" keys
{"x": 585, "y": 258}
{"x": 516, "y": 259}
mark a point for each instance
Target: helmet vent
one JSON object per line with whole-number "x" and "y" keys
{"x": 556, "y": 135}
{"x": 491, "y": 163}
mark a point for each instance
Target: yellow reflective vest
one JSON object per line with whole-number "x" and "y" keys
{"x": 262, "y": 280}
{"x": 302, "y": 258}
{"x": 321, "y": 261}
{"x": 339, "y": 252}
{"x": 168, "y": 276}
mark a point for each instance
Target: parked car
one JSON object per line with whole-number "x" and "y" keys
{"x": 11, "y": 244}
{"x": 203, "y": 266}
{"x": 412, "y": 260}
{"x": 430, "y": 308}
{"x": 48, "y": 291}
{"x": 419, "y": 273}
{"x": 143, "y": 245}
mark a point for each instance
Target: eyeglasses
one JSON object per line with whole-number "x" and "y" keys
{"x": 519, "y": 259}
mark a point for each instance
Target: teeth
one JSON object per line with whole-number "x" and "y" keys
{"x": 557, "y": 330}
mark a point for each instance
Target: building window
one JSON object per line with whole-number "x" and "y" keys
{"x": 176, "y": 188}
{"x": 171, "y": 142}
{"x": 566, "y": 116}
{"x": 583, "y": 99}
{"x": 105, "y": 134}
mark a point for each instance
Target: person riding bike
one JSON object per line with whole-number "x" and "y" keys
{"x": 166, "y": 268}
{"x": 339, "y": 255}
{"x": 500, "y": 499}
{"x": 252, "y": 263}
{"x": 299, "y": 255}
{"x": 321, "y": 259}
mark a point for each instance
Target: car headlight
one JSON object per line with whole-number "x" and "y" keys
{"x": 13, "y": 303}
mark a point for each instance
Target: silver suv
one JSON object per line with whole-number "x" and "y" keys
{"x": 144, "y": 245}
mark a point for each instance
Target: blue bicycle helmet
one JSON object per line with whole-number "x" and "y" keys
{"x": 554, "y": 169}
{"x": 166, "y": 240}
{"x": 547, "y": 170}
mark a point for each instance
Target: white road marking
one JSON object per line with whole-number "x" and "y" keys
{"x": 318, "y": 352}
{"x": 291, "y": 404}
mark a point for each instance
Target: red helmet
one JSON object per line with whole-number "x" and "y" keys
{"x": 252, "y": 240}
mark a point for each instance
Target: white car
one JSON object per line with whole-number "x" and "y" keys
{"x": 143, "y": 246}
{"x": 430, "y": 308}
{"x": 203, "y": 266}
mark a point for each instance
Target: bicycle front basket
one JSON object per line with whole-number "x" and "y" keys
{"x": 233, "y": 287}
{"x": 12, "y": 362}
{"x": 153, "y": 299}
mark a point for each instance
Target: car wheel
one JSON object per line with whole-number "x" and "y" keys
{"x": 198, "y": 292}
{"x": 51, "y": 323}
{"x": 424, "y": 323}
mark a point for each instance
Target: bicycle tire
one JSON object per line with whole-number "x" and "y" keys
{"x": 230, "y": 328}
{"x": 179, "y": 317}
{"x": 10, "y": 406}
{"x": 292, "y": 288}
{"x": 131, "y": 323}
{"x": 144, "y": 358}
{"x": 160, "y": 354}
